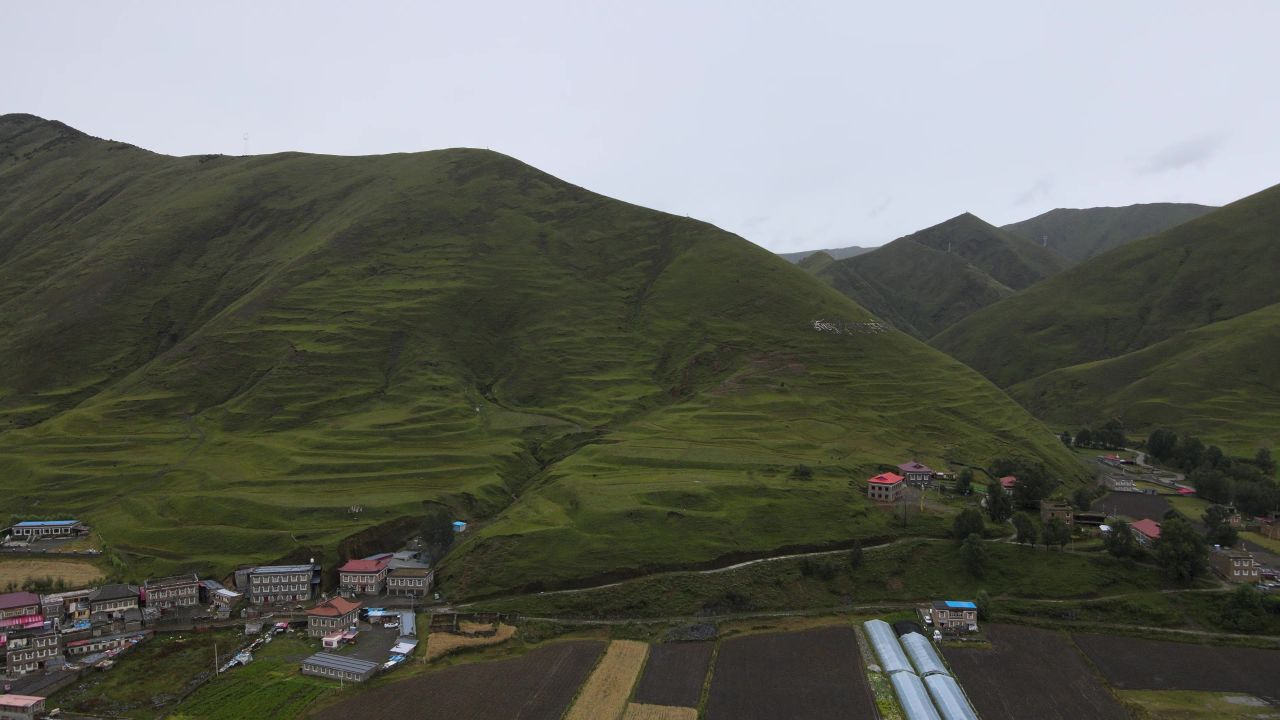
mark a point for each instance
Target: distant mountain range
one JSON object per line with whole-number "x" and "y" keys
{"x": 1078, "y": 235}
{"x": 926, "y": 281}
{"x": 1178, "y": 329}
{"x": 222, "y": 360}
{"x": 833, "y": 253}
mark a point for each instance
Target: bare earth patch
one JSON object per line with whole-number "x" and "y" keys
{"x": 75, "y": 573}
{"x": 604, "y": 697}
{"x": 440, "y": 644}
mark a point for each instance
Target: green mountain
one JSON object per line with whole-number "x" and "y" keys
{"x": 927, "y": 281}
{"x": 834, "y": 253}
{"x": 1079, "y": 234}
{"x": 1138, "y": 327}
{"x": 222, "y": 360}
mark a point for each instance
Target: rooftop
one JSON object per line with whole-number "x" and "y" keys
{"x": 1008, "y": 481}
{"x": 887, "y": 478}
{"x": 114, "y": 591}
{"x": 9, "y": 601}
{"x": 20, "y": 701}
{"x": 336, "y": 607}
{"x": 281, "y": 569}
{"x": 954, "y": 605}
{"x": 1147, "y": 527}
{"x": 367, "y": 565}
{"x": 340, "y": 662}
{"x": 914, "y": 467}
{"x": 46, "y": 523}
{"x": 172, "y": 580}
{"x": 411, "y": 571}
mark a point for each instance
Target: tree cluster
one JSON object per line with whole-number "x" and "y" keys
{"x": 1180, "y": 550}
{"x": 1033, "y": 484}
{"x": 1110, "y": 436}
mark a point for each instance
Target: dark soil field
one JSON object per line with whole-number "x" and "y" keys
{"x": 1133, "y": 664}
{"x": 1031, "y": 673}
{"x": 1133, "y": 505}
{"x": 674, "y": 674}
{"x": 536, "y": 686}
{"x": 809, "y": 675}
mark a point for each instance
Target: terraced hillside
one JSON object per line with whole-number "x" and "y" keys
{"x": 217, "y": 360}
{"x": 1176, "y": 328}
{"x": 1081, "y": 233}
{"x": 927, "y": 281}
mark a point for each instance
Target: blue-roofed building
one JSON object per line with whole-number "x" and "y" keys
{"x": 954, "y": 615}
{"x": 42, "y": 529}
{"x": 459, "y": 526}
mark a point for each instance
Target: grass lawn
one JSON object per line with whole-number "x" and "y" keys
{"x": 269, "y": 687}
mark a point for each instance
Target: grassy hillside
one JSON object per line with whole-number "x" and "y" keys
{"x": 1221, "y": 381}
{"x": 835, "y": 253}
{"x": 927, "y": 281}
{"x": 1148, "y": 296}
{"x": 217, "y": 360}
{"x": 1079, "y": 234}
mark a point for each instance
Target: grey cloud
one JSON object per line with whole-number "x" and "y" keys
{"x": 1192, "y": 152}
{"x": 1038, "y": 189}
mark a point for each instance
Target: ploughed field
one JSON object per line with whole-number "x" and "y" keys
{"x": 1135, "y": 664}
{"x": 536, "y": 686}
{"x": 814, "y": 674}
{"x": 1133, "y": 505}
{"x": 1030, "y": 673}
{"x": 675, "y": 674}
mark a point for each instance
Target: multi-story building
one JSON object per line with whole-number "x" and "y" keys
{"x": 113, "y": 599}
{"x": 364, "y": 577}
{"x": 1050, "y": 509}
{"x": 885, "y": 487}
{"x": 1146, "y": 531}
{"x": 335, "y": 615}
{"x": 954, "y": 615}
{"x": 339, "y": 667}
{"x": 172, "y": 592}
{"x": 1237, "y": 566}
{"x": 44, "y": 529}
{"x": 281, "y": 584}
{"x": 20, "y": 610}
{"x": 29, "y": 651}
{"x": 410, "y": 581}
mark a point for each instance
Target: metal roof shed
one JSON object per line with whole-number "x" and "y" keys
{"x": 949, "y": 698}
{"x": 912, "y": 697}
{"x": 886, "y": 647}
{"x": 923, "y": 656}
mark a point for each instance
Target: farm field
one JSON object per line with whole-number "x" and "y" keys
{"x": 604, "y": 697}
{"x": 675, "y": 674}
{"x": 1136, "y": 664}
{"x": 536, "y": 686}
{"x": 812, "y": 674}
{"x": 440, "y": 644}
{"x": 1029, "y": 673}
{"x": 268, "y": 687}
{"x": 1193, "y": 705}
{"x": 72, "y": 573}
{"x": 636, "y": 711}
{"x": 1134, "y": 505}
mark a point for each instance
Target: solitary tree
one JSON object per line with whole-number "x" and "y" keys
{"x": 1065, "y": 437}
{"x": 1264, "y": 462}
{"x": 968, "y": 522}
{"x": 1082, "y": 498}
{"x": 983, "y": 601}
{"x": 1180, "y": 550}
{"x": 1026, "y": 528}
{"x": 1218, "y": 530}
{"x": 964, "y": 482}
{"x": 1119, "y": 542}
{"x": 974, "y": 554}
{"x": 1056, "y": 532}
{"x": 999, "y": 506}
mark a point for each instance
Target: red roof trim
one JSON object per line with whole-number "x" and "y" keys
{"x": 886, "y": 479}
{"x": 1147, "y": 527}
{"x": 372, "y": 567}
{"x": 336, "y": 607}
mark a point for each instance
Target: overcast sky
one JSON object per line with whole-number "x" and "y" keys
{"x": 796, "y": 125}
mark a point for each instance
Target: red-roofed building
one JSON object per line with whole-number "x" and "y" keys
{"x": 20, "y": 610}
{"x": 21, "y": 707}
{"x": 885, "y": 487}
{"x": 335, "y": 615}
{"x": 916, "y": 473}
{"x": 364, "y": 577}
{"x": 1007, "y": 482}
{"x": 1146, "y": 530}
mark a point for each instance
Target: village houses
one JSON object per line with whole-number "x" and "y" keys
{"x": 1237, "y": 566}
{"x": 1146, "y": 531}
{"x": 21, "y": 707}
{"x": 335, "y": 615}
{"x": 113, "y": 599}
{"x": 32, "y": 530}
{"x": 954, "y": 615}
{"x": 1059, "y": 509}
{"x": 172, "y": 592}
{"x": 916, "y": 473}
{"x": 271, "y": 584}
{"x": 364, "y": 577}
